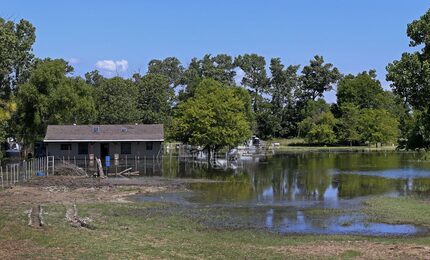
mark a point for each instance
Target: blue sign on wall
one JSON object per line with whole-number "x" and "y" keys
{"x": 107, "y": 161}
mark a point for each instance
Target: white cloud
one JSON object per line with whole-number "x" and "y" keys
{"x": 74, "y": 60}
{"x": 112, "y": 66}
{"x": 121, "y": 65}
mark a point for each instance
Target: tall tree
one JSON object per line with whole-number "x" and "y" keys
{"x": 410, "y": 77}
{"x": 7, "y": 109}
{"x": 155, "y": 99}
{"x": 116, "y": 101}
{"x": 255, "y": 77}
{"x": 170, "y": 67}
{"x": 378, "y": 126}
{"x": 215, "y": 117}
{"x": 283, "y": 85}
{"x": 50, "y": 97}
{"x": 16, "y": 57}
{"x": 318, "y": 77}
{"x": 94, "y": 78}
{"x": 318, "y": 123}
{"x": 363, "y": 90}
{"x": 220, "y": 68}
{"x": 349, "y": 124}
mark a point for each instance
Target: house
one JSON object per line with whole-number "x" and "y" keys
{"x": 116, "y": 141}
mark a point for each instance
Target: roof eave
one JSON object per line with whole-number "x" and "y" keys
{"x": 105, "y": 140}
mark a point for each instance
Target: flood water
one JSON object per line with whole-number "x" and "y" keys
{"x": 281, "y": 192}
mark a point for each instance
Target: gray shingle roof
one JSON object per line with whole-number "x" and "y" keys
{"x": 90, "y": 133}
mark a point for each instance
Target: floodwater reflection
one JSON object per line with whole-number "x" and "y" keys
{"x": 275, "y": 195}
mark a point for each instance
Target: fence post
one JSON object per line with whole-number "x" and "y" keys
{"x": 1, "y": 172}
{"x": 14, "y": 174}
{"x": 144, "y": 164}
{"x": 24, "y": 174}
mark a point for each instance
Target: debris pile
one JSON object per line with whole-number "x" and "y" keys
{"x": 74, "y": 220}
{"x": 67, "y": 169}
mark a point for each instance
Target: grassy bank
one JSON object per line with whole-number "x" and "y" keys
{"x": 299, "y": 145}
{"x": 404, "y": 210}
{"x": 138, "y": 230}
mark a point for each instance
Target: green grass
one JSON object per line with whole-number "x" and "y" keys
{"x": 138, "y": 230}
{"x": 300, "y": 145}
{"x": 403, "y": 210}
{"x": 286, "y": 142}
{"x": 350, "y": 254}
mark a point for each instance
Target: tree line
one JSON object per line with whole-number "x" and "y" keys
{"x": 220, "y": 100}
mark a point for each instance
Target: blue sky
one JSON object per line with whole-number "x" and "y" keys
{"x": 124, "y": 35}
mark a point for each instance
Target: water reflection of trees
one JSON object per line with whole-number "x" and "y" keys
{"x": 306, "y": 176}
{"x": 310, "y": 176}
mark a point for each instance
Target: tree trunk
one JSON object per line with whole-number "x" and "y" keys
{"x": 209, "y": 157}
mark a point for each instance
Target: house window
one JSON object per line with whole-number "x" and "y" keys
{"x": 65, "y": 147}
{"x": 149, "y": 146}
{"x": 83, "y": 148}
{"x": 125, "y": 148}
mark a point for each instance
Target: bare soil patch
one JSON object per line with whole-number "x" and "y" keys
{"x": 73, "y": 189}
{"x": 35, "y": 216}
{"x": 361, "y": 250}
{"x": 25, "y": 249}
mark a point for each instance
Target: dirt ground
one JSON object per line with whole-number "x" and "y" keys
{"x": 72, "y": 189}
{"x": 358, "y": 250}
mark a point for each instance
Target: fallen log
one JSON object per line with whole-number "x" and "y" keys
{"x": 136, "y": 173}
{"x": 126, "y": 170}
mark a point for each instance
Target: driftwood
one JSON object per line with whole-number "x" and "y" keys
{"x": 136, "y": 173}
{"x": 126, "y": 170}
{"x": 75, "y": 221}
{"x": 100, "y": 166}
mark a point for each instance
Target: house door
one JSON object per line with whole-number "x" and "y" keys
{"x": 104, "y": 150}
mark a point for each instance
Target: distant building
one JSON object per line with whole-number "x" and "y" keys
{"x": 116, "y": 141}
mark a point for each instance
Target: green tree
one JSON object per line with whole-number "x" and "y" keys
{"x": 50, "y": 97}
{"x": 94, "y": 78}
{"x": 116, "y": 101}
{"x": 318, "y": 77}
{"x": 214, "y": 118}
{"x": 220, "y": 68}
{"x": 283, "y": 85}
{"x": 363, "y": 90}
{"x": 255, "y": 77}
{"x": 268, "y": 123}
{"x": 170, "y": 67}
{"x": 7, "y": 109}
{"x": 155, "y": 99}
{"x": 410, "y": 79}
{"x": 318, "y": 123}
{"x": 16, "y": 57}
{"x": 378, "y": 126}
{"x": 349, "y": 123}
